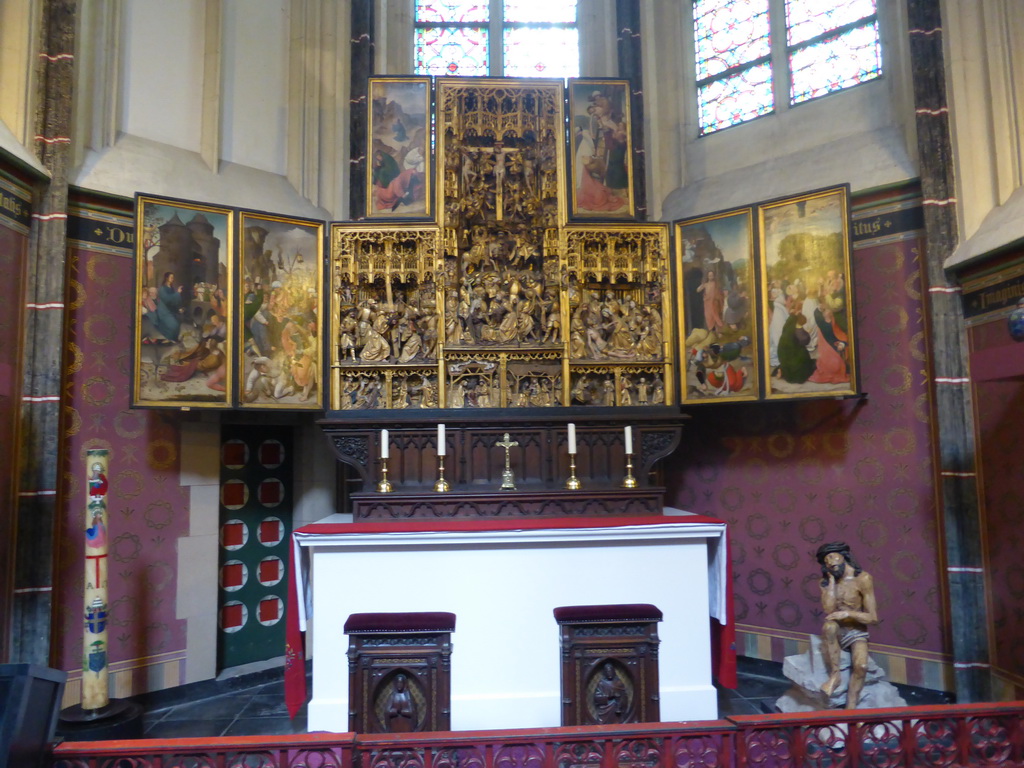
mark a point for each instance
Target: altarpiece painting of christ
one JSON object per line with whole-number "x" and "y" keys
{"x": 716, "y": 268}
{"x": 279, "y": 336}
{"x": 398, "y": 166}
{"x": 184, "y": 299}
{"x": 601, "y": 170}
{"x": 807, "y": 322}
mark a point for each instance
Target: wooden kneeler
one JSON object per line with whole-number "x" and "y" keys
{"x": 399, "y": 672}
{"x": 609, "y": 663}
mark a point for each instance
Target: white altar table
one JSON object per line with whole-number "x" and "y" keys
{"x": 503, "y": 580}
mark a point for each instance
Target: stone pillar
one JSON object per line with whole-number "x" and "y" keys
{"x": 363, "y": 32}
{"x": 40, "y": 427}
{"x": 627, "y": 25}
{"x": 949, "y": 365}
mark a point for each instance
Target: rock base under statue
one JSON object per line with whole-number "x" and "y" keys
{"x": 808, "y": 673}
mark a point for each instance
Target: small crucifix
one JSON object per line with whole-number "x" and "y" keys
{"x": 508, "y": 479}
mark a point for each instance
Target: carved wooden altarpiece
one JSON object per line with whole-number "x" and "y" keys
{"x": 502, "y": 310}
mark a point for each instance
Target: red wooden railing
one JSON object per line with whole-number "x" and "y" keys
{"x": 930, "y": 737}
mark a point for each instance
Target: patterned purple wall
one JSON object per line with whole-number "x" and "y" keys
{"x": 999, "y": 407}
{"x": 13, "y": 250}
{"x": 791, "y": 476}
{"x": 786, "y": 476}
{"x": 149, "y": 510}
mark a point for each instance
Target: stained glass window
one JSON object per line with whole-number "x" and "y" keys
{"x": 735, "y": 98}
{"x": 453, "y": 12}
{"x": 805, "y": 19}
{"x": 729, "y": 34}
{"x": 831, "y": 49}
{"x": 551, "y": 52}
{"x": 458, "y": 51}
{"x": 539, "y": 38}
{"x": 829, "y": 46}
{"x": 540, "y": 11}
{"x": 733, "y": 49}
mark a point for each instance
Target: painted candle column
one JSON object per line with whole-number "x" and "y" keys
{"x": 95, "y": 689}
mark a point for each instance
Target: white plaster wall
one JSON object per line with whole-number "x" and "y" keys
{"x": 222, "y": 101}
{"x": 985, "y": 82}
{"x": 163, "y": 71}
{"x": 197, "y": 586}
{"x": 255, "y": 73}
{"x": 18, "y": 46}
{"x": 10, "y": 144}
{"x": 137, "y": 165}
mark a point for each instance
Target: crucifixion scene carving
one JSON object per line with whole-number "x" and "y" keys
{"x": 500, "y": 301}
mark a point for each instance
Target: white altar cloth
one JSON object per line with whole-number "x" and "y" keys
{"x": 503, "y": 582}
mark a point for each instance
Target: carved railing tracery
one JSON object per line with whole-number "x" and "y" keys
{"x": 954, "y": 735}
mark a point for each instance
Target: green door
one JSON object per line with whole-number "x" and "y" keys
{"x": 255, "y": 534}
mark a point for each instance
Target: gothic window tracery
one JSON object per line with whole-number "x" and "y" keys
{"x": 740, "y": 70}
{"x": 514, "y": 38}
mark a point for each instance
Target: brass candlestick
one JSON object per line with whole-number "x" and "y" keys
{"x": 629, "y": 481}
{"x": 441, "y": 486}
{"x": 384, "y": 486}
{"x": 573, "y": 483}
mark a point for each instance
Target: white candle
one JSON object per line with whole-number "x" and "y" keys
{"x": 572, "y": 438}
{"x": 629, "y": 439}
{"x": 383, "y": 443}
{"x": 440, "y": 439}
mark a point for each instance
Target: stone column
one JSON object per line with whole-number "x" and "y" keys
{"x": 627, "y": 24}
{"x": 363, "y": 32}
{"x": 949, "y": 364}
{"x": 40, "y": 427}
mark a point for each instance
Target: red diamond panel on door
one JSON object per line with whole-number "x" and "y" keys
{"x": 256, "y": 496}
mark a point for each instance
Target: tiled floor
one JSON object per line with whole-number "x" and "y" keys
{"x": 259, "y": 709}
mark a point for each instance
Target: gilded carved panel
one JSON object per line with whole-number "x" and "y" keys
{"x": 501, "y": 303}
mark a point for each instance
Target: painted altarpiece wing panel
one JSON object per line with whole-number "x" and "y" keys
{"x": 279, "y": 339}
{"x": 716, "y": 274}
{"x": 601, "y": 159}
{"x": 398, "y": 173}
{"x": 807, "y": 320}
{"x": 183, "y": 283}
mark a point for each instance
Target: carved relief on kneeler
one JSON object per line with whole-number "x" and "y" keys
{"x": 399, "y": 703}
{"x": 609, "y": 692}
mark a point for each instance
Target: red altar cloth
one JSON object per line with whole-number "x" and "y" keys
{"x": 723, "y": 640}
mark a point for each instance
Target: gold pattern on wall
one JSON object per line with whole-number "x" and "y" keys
{"x": 502, "y": 303}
